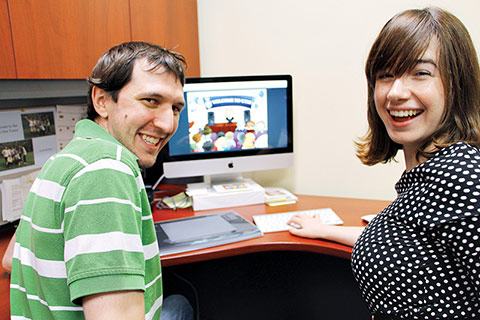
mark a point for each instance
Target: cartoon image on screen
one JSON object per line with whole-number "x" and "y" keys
{"x": 227, "y": 120}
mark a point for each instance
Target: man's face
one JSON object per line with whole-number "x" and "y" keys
{"x": 146, "y": 113}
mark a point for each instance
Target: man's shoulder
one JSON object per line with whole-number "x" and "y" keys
{"x": 82, "y": 154}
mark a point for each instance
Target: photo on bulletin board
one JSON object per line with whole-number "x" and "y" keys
{"x": 38, "y": 124}
{"x": 27, "y": 138}
{"x": 17, "y": 154}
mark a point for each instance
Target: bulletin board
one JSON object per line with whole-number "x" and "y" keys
{"x": 27, "y": 139}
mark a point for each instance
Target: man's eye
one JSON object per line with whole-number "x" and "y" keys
{"x": 150, "y": 102}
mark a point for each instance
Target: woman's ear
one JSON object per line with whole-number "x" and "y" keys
{"x": 99, "y": 100}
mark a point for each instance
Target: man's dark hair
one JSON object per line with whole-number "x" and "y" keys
{"x": 114, "y": 68}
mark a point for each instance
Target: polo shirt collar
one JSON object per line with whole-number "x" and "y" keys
{"x": 87, "y": 128}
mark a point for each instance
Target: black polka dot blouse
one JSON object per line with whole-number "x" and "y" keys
{"x": 419, "y": 258}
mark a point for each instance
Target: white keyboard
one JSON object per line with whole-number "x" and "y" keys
{"x": 274, "y": 222}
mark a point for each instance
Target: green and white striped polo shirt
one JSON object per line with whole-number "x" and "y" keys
{"x": 86, "y": 228}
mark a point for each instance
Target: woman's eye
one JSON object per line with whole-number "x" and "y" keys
{"x": 422, "y": 73}
{"x": 382, "y": 76}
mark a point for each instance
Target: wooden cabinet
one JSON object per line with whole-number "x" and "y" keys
{"x": 176, "y": 29}
{"x": 63, "y": 39}
{"x": 7, "y": 60}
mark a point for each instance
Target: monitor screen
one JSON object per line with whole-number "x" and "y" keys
{"x": 233, "y": 124}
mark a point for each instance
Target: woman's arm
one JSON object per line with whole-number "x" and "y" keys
{"x": 312, "y": 227}
{"x": 8, "y": 256}
{"x": 462, "y": 242}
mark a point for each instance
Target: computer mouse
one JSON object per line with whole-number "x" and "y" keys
{"x": 369, "y": 217}
{"x": 294, "y": 225}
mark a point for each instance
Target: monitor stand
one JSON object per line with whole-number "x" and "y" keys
{"x": 224, "y": 191}
{"x": 223, "y": 178}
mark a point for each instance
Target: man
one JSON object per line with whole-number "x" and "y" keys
{"x": 23, "y": 152}
{"x": 86, "y": 245}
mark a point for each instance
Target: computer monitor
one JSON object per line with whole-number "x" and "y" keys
{"x": 232, "y": 125}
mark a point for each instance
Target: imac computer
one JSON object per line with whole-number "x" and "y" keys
{"x": 232, "y": 125}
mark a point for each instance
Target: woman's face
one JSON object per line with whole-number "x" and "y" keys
{"x": 412, "y": 105}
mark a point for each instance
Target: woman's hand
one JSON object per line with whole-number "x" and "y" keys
{"x": 309, "y": 226}
{"x": 313, "y": 227}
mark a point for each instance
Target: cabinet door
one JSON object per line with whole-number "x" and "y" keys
{"x": 172, "y": 24}
{"x": 7, "y": 61}
{"x": 64, "y": 39}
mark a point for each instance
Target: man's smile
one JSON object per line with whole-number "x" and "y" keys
{"x": 153, "y": 141}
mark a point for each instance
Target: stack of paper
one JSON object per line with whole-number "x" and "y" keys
{"x": 279, "y": 196}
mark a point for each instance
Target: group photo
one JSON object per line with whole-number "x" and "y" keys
{"x": 16, "y": 154}
{"x": 38, "y": 124}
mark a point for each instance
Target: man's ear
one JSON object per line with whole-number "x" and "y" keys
{"x": 99, "y": 100}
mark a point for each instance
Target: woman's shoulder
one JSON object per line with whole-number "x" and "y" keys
{"x": 456, "y": 166}
{"x": 452, "y": 184}
{"x": 457, "y": 154}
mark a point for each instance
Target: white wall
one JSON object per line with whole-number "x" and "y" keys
{"x": 324, "y": 45}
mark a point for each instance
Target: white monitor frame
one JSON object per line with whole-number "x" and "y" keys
{"x": 231, "y": 163}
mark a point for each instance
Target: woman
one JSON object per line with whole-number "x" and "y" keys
{"x": 420, "y": 257}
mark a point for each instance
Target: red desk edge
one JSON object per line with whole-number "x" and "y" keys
{"x": 350, "y": 211}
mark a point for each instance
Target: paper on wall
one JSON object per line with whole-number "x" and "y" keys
{"x": 67, "y": 118}
{"x": 14, "y": 195}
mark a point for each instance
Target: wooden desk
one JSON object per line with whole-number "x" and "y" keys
{"x": 277, "y": 276}
{"x": 350, "y": 210}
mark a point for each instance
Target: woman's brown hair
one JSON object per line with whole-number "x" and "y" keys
{"x": 401, "y": 42}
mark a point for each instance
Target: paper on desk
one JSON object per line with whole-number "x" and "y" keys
{"x": 178, "y": 201}
{"x": 14, "y": 195}
{"x": 279, "y": 196}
